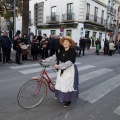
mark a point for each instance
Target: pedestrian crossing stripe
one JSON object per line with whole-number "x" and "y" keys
{"x": 95, "y": 93}
{"x": 40, "y": 69}
{"x": 93, "y": 74}
{"x": 25, "y": 66}
{"x": 30, "y": 65}
{"x": 91, "y": 95}
{"x": 117, "y": 111}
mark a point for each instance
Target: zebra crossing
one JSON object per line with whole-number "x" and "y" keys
{"x": 90, "y": 95}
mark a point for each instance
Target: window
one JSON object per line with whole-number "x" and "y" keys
{"x": 95, "y": 14}
{"x": 88, "y": 11}
{"x": 53, "y": 32}
{"x": 53, "y": 13}
{"x": 102, "y": 16}
{"x": 96, "y": 11}
{"x": 69, "y": 11}
{"x": 68, "y": 32}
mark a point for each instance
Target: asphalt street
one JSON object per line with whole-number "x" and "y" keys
{"x": 99, "y": 86}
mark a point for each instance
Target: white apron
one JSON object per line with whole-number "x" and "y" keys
{"x": 65, "y": 82}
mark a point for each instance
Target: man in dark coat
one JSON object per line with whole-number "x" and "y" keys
{"x": 6, "y": 45}
{"x": 82, "y": 45}
{"x": 39, "y": 37}
{"x": 106, "y": 47}
{"x": 88, "y": 43}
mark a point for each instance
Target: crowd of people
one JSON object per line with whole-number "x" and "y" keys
{"x": 28, "y": 46}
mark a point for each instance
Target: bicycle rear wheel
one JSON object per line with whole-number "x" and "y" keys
{"x": 31, "y": 94}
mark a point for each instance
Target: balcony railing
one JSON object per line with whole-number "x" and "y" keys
{"x": 52, "y": 19}
{"x": 68, "y": 17}
{"x": 111, "y": 10}
{"x": 96, "y": 19}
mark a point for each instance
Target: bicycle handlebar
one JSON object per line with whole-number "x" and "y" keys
{"x": 45, "y": 65}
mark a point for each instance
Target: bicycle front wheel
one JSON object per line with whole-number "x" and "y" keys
{"x": 31, "y": 94}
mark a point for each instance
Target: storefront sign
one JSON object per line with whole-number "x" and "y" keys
{"x": 70, "y": 25}
{"x": 94, "y": 27}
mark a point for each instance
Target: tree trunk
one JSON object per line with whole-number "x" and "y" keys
{"x": 25, "y": 17}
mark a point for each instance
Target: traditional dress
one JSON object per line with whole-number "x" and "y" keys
{"x": 67, "y": 78}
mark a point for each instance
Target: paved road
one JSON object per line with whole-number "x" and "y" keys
{"x": 99, "y": 87}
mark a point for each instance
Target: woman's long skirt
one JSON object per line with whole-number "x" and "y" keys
{"x": 70, "y": 95}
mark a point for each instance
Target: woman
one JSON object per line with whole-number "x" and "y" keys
{"x": 67, "y": 78}
{"x": 24, "y": 42}
{"x": 111, "y": 48}
{"x": 35, "y": 49}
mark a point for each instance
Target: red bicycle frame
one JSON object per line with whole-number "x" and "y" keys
{"x": 46, "y": 80}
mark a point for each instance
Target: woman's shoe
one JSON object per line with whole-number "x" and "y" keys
{"x": 67, "y": 104}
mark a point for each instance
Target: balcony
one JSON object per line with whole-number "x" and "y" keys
{"x": 68, "y": 17}
{"x": 95, "y": 19}
{"x": 111, "y": 10}
{"x": 52, "y": 19}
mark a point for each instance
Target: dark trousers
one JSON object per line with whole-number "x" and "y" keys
{"x": 9, "y": 53}
{"x": 83, "y": 49}
{"x": 106, "y": 50}
{"x": 24, "y": 56}
{"x": 35, "y": 56}
{"x": 44, "y": 54}
{"x": 18, "y": 54}
{"x": 110, "y": 52}
{"x": 5, "y": 54}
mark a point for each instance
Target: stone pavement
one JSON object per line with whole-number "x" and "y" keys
{"x": 93, "y": 49}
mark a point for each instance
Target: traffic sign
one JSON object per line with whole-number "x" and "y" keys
{"x": 7, "y": 22}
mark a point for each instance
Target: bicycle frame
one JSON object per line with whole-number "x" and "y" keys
{"x": 46, "y": 80}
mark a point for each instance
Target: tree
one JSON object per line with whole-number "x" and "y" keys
{"x": 8, "y": 10}
{"x": 25, "y": 16}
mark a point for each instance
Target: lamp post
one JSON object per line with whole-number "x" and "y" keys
{"x": 114, "y": 29}
{"x": 1, "y": 10}
{"x": 14, "y": 18}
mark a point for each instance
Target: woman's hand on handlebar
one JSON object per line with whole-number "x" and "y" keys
{"x": 55, "y": 66}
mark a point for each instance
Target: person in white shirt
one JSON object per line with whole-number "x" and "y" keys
{"x": 111, "y": 47}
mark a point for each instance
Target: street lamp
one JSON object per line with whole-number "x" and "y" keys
{"x": 1, "y": 10}
{"x": 114, "y": 28}
{"x": 14, "y": 18}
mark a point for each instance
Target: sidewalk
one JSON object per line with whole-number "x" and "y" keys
{"x": 93, "y": 49}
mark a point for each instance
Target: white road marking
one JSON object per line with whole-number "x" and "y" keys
{"x": 117, "y": 111}
{"x": 85, "y": 67}
{"x": 24, "y": 66}
{"x": 100, "y": 90}
{"x": 91, "y": 75}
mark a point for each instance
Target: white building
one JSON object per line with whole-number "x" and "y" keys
{"x": 76, "y": 18}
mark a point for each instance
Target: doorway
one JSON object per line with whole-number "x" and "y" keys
{"x": 93, "y": 39}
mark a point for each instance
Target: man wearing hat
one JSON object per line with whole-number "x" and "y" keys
{"x": 67, "y": 78}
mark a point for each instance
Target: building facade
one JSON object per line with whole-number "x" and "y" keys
{"x": 77, "y": 18}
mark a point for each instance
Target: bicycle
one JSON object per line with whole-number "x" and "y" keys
{"x": 32, "y": 93}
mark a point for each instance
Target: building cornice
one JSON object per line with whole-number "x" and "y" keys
{"x": 99, "y": 2}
